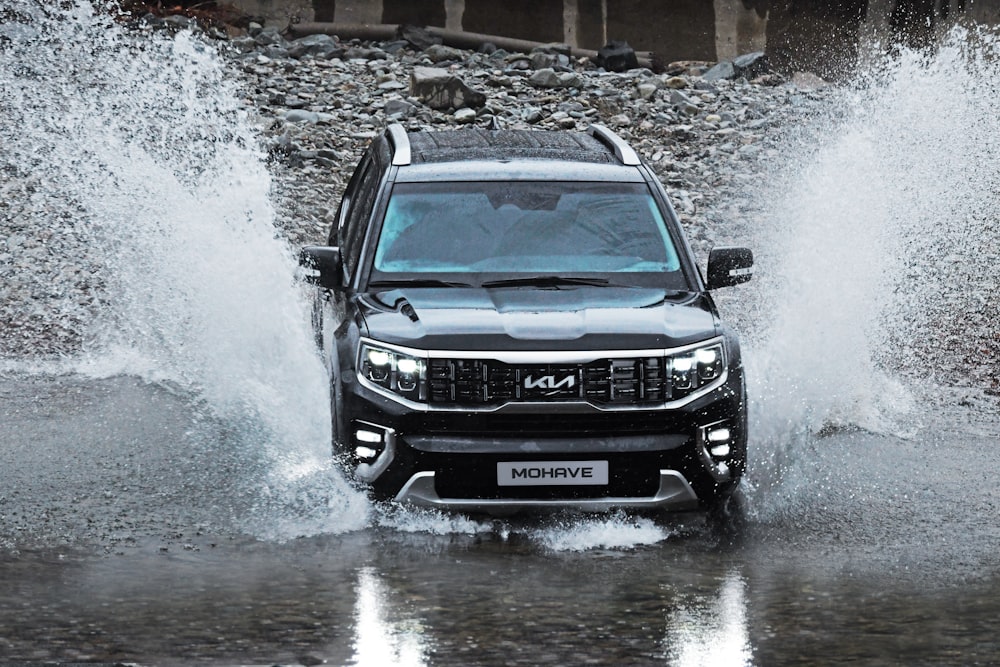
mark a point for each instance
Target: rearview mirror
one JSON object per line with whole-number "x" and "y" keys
{"x": 323, "y": 266}
{"x": 729, "y": 266}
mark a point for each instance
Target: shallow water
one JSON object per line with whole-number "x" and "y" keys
{"x": 130, "y": 533}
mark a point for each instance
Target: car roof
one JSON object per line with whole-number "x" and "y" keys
{"x": 479, "y": 153}
{"x": 483, "y": 144}
{"x": 525, "y": 169}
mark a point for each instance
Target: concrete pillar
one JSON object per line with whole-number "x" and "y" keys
{"x": 453, "y": 11}
{"x": 358, "y": 11}
{"x": 738, "y": 29}
{"x": 571, "y": 19}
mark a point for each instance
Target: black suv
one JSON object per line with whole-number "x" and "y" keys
{"x": 515, "y": 321}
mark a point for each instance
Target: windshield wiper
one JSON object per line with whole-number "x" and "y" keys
{"x": 417, "y": 282}
{"x": 546, "y": 281}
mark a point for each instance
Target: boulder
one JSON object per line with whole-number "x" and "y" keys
{"x": 751, "y": 65}
{"x": 419, "y": 38}
{"x": 616, "y": 56}
{"x": 441, "y": 90}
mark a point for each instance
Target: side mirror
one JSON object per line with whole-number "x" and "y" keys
{"x": 323, "y": 266}
{"x": 729, "y": 266}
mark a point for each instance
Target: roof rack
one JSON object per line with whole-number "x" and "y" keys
{"x": 400, "y": 145}
{"x": 622, "y": 150}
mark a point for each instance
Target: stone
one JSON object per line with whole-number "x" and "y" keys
{"x": 440, "y": 53}
{"x": 465, "y": 115}
{"x": 441, "y": 90}
{"x": 549, "y": 78}
{"x": 751, "y": 65}
{"x": 616, "y": 56}
{"x": 398, "y": 108}
{"x": 676, "y": 82}
{"x": 317, "y": 46}
{"x": 722, "y": 70}
{"x": 647, "y": 91}
{"x": 302, "y": 116}
{"x": 419, "y": 38}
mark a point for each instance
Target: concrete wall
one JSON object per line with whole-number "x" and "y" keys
{"x": 821, "y": 36}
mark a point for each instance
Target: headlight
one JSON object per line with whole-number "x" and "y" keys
{"x": 394, "y": 371}
{"x": 690, "y": 370}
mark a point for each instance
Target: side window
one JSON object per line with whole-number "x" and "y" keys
{"x": 339, "y": 231}
{"x": 359, "y": 215}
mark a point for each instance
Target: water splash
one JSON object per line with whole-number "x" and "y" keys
{"x": 879, "y": 261}
{"x": 139, "y": 158}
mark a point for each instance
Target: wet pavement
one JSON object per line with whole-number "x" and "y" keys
{"x": 125, "y": 536}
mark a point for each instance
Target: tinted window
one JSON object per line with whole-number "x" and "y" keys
{"x": 524, "y": 227}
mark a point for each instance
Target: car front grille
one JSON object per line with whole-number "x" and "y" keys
{"x": 618, "y": 381}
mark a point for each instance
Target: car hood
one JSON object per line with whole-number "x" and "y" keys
{"x": 568, "y": 318}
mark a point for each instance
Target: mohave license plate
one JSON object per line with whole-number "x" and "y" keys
{"x": 552, "y": 473}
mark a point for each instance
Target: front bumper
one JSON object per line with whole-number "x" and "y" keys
{"x": 658, "y": 459}
{"x": 674, "y": 494}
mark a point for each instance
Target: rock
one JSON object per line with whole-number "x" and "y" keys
{"x": 751, "y": 65}
{"x": 549, "y": 78}
{"x": 465, "y": 115}
{"x": 676, "y": 82}
{"x": 419, "y": 38}
{"x": 317, "y": 46}
{"x": 398, "y": 108}
{"x": 301, "y": 116}
{"x": 647, "y": 91}
{"x": 270, "y": 36}
{"x": 723, "y": 70}
{"x": 617, "y": 56}
{"x": 440, "y": 53}
{"x": 441, "y": 90}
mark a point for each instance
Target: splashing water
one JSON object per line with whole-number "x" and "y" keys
{"x": 879, "y": 260}
{"x": 138, "y": 157}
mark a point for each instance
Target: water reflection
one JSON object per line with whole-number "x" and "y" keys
{"x": 380, "y": 637}
{"x": 710, "y": 630}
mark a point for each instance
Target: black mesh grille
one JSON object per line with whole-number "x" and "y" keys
{"x": 638, "y": 381}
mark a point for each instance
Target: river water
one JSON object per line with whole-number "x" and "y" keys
{"x": 166, "y": 490}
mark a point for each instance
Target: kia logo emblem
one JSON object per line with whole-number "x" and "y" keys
{"x": 549, "y": 382}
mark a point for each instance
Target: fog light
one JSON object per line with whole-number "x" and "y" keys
{"x": 719, "y": 451}
{"x": 368, "y": 436}
{"x": 366, "y": 454}
{"x": 719, "y": 435}
{"x": 369, "y": 442}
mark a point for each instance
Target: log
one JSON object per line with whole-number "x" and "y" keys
{"x": 384, "y": 32}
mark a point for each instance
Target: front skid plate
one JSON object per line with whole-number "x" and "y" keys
{"x": 674, "y": 494}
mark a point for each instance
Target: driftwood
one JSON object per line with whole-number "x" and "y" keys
{"x": 383, "y": 32}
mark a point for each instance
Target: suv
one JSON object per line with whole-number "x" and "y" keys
{"x": 514, "y": 321}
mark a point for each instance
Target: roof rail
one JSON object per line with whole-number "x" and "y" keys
{"x": 400, "y": 145}
{"x": 622, "y": 150}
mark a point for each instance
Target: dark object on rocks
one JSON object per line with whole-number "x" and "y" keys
{"x": 748, "y": 66}
{"x": 418, "y": 38}
{"x": 723, "y": 70}
{"x": 317, "y": 46}
{"x": 617, "y": 56}
{"x": 439, "y": 89}
{"x": 751, "y": 65}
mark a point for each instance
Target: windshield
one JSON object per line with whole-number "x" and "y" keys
{"x": 484, "y": 231}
